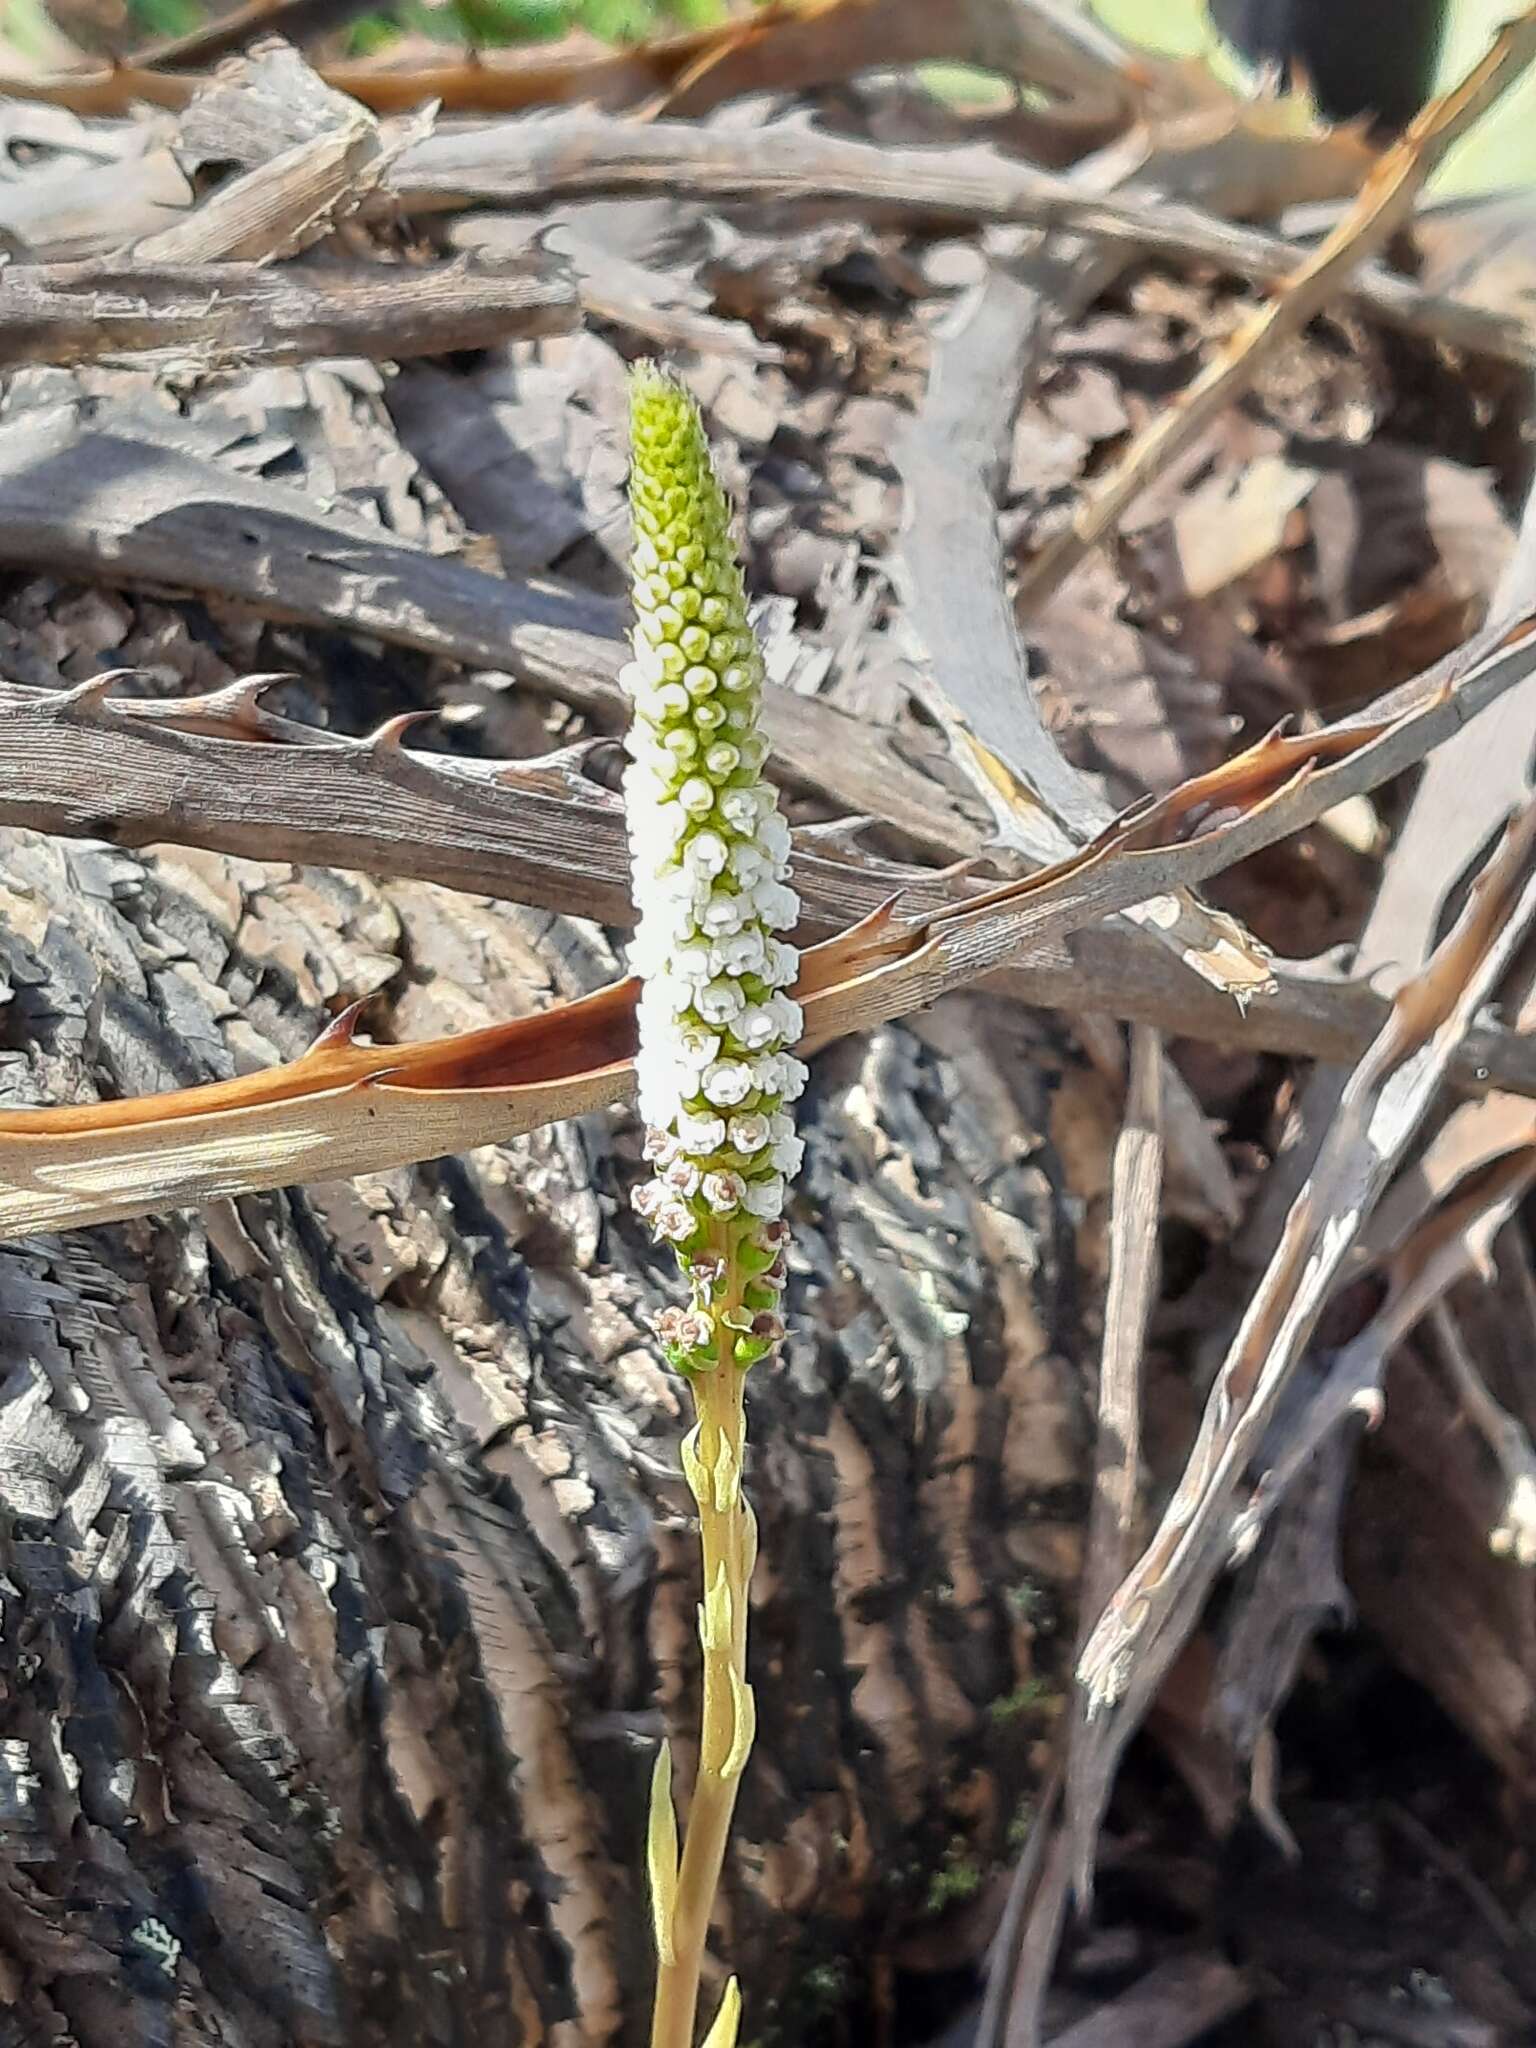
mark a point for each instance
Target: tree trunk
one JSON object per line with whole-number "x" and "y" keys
{"x": 347, "y": 1572}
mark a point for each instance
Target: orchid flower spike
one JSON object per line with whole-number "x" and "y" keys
{"x": 710, "y": 856}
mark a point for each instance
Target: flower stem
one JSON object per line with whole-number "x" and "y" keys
{"x": 728, "y": 1539}
{"x": 717, "y": 1076}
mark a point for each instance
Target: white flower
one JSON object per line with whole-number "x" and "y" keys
{"x": 777, "y": 906}
{"x": 787, "y": 1155}
{"x": 750, "y": 1133}
{"x": 767, "y": 1073}
{"x": 755, "y": 1027}
{"x": 722, "y": 913}
{"x": 718, "y": 1002}
{"x": 660, "y": 1086}
{"x": 765, "y": 1198}
{"x": 675, "y": 1221}
{"x": 696, "y": 1048}
{"x": 749, "y": 864}
{"x": 705, "y": 855}
{"x": 671, "y": 824}
{"x": 691, "y": 960}
{"x": 724, "y": 1192}
{"x": 656, "y": 1088}
{"x": 742, "y": 953}
{"x": 669, "y": 999}
{"x": 700, "y": 1133}
{"x": 655, "y": 1009}
{"x": 779, "y": 1073}
{"x": 726, "y": 1083}
{"x": 739, "y": 809}
{"x": 685, "y": 1327}
{"x": 773, "y": 836}
{"x": 788, "y": 1017}
{"x": 649, "y": 760}
{"x": 781, "y": 964}
{"x": 645, "y": 956}
{"x": 710, "y": 858}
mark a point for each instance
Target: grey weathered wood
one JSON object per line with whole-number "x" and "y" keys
{"x": 955, "y": 596}
{"x": 542, "y": 833}
{"x": 111, "y": 505}
{"x": 133, "y": 504}
{"x": 586, "y": 151}
{"x": 344, "y": 1560}
{"x": 282, "y": 205}
{"x": 210, "y": 315}
{"x": 542, "y": 162}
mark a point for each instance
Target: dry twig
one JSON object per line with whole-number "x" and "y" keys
{"x": 1384, "y": 203}
{"x": 1020, "y": 1965}
{"x": 1134, "y": 1643}
{"x": 214, "y": 315}
{"x": 552, "y": 159}
{"x": 228, "y": 780}
{"x": 283, "y": 205}
{"x": 955, "y": 597}
{"x": 1514, "y": 1534}
{"x": 346, "y": 1111}
{"x": 577, "y": 154}
{"x": 1174, "y": 2005}
{"x": 1439, "y": 842}
{"x": 1136, "y": 1183}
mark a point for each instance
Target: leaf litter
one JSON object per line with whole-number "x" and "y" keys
{"x": 1108, "y": 578}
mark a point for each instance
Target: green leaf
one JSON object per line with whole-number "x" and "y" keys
{"x": 694, "y": 13}
{"x": 519, "y": 21}
{"x": 166, "y": 18}
{"x": 618, "y": 21}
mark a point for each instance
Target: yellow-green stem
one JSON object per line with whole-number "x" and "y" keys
{"x": 728, "y": 1541}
